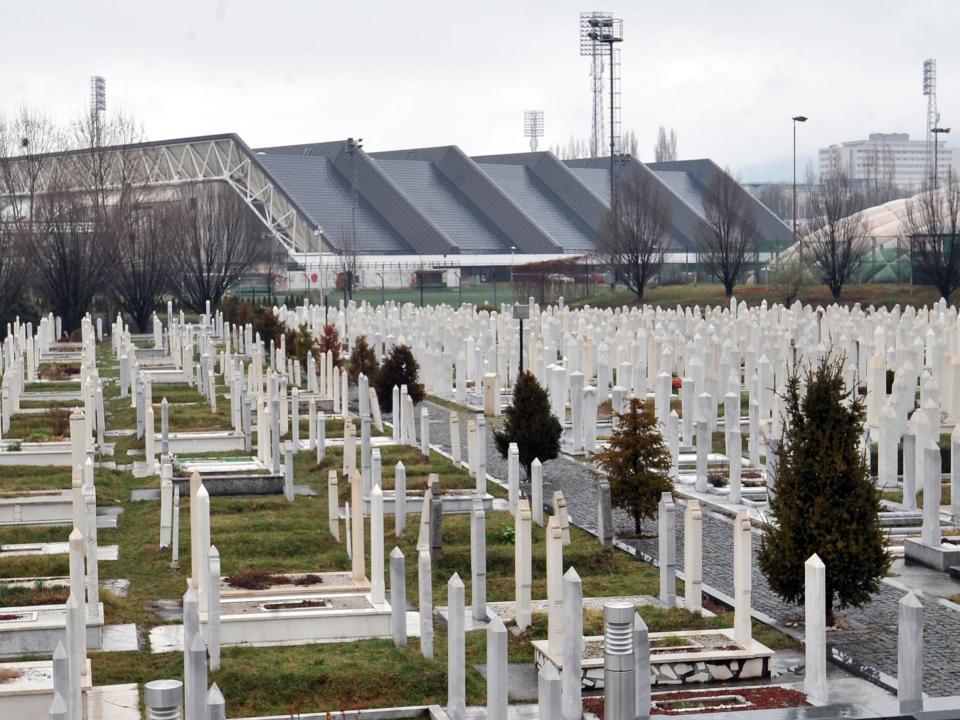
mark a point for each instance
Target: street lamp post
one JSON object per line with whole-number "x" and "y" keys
{"x": 513, "y": 249}
{"x": 937, "y": 132}
{"x": 796, "y": 119}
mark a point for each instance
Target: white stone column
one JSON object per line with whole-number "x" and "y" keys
{"x": 667, "y": 550}
{"x": 455, "y": 437}
{"x": 399, "y": 497}
{"x": 554, "y": 586}
{"x": 703, "y": 449}
{"x": 425, "y": 588}
{"x": 478, "y": 561}
{"x": 398, "y": 598}
{"x": 930, "y": 532}
{"x": 359, "y": 569}
{"x": 910, "y": 654}
{"x": 213, "y": 609}
{"x": 377, "y": 590}
{"x": 736, "y": 460}
{"x": 742, "y": 569}
{"x": 571, "y": 702}
{"x": 693, "y": 556}
{"x": 456, "y": 650}
{"x": 523, "y": 564}
{"x": 496, "y": 669}
{"x": 815, "y": 630}
{"x": 536, "y": 491}
{"x": 513, "y": 476}
{"x": 202, "y": 532}
{"x": 333, "y": 504}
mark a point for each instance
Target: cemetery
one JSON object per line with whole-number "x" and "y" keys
{"x": 195, "y": 523}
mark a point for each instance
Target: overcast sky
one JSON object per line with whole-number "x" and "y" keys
{"x": 727, "y": 75}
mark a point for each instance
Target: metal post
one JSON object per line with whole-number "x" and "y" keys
{"x": 613, "y": 74}
{"x": 794, "y": 188}
{"x": 936, "y": 147}
{"x": 521, "y": 347}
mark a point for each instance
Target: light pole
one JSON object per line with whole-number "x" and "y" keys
{"x": 353, "y": 146}
{"x": 937, "y": 132}
{"x": 796, "y": 119}
{"x": 513, "y": 249}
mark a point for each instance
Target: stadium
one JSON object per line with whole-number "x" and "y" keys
{"x": 426, "y": 214}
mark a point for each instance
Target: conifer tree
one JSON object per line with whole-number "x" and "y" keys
{"x": 329, "y": 341}
{"x": 636, "y": 462}
{"x": 398, "y": 368}
{"x": 824, "y": 501}
{"x": 530, "y": 424}
{"x": 363, "y": 360}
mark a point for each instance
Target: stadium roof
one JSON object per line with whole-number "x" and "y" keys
{"x": 424, "y": 201}
{"x": 440, "y": 201}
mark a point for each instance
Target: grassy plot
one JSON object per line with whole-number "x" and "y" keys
{"x": 51, "y": 425}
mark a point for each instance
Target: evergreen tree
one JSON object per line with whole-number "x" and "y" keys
{"x": 399, "y": 368}
{"x": 530, "y": 424}
{"x": 636, "y": 462}
{"x": 363, "y": 360}
{"x": 825, "y": 501}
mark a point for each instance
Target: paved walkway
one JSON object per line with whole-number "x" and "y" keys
{"x": 872, "y": 641}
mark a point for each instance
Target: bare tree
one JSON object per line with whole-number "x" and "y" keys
{"x": 932, "y": 227}
{"x": 838, "y": 239}
{"x": 70, "y": 252}
{"x": 879, "y": 172}
{"x": 574, "y": 148}
{"x": 778, "y": 200}
{"x": 218, "y": 239}
{"x": 629, "y": 144}
{"x": 24, "y": 141}
{"x": 636, "y": 231}
{"x": 142, "y": 273}
{"x": 666, "y": 148}
{"x": 727, "y": 234}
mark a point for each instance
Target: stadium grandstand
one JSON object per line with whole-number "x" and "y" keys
{"x": 428, "y": 207}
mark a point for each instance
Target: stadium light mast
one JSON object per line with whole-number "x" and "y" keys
{"x": 796, "y": 119}
{"x": 533, "y": 127}
{"x": 609, "y": 31}
{"x": 930, "y": 91}
{"x": 98, "y": 105}
{"x": 353, "y": 147}
{"x": 589, "y": 47}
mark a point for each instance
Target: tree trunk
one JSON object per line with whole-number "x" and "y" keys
{"x": 637, "y": 521}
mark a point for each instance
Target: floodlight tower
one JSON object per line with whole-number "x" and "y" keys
{"x": 98, "y": 94}
{"x": 533, "y": 127}
{"x": 609, "y": 31}
{"x": 98, "y": 106}
{"x": 933, "y": 117}
{"x": 590, "y": 47}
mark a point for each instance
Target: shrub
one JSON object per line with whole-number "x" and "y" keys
{"x": 399, "y": 367}
{"x": 363, "y": 360}
{"x": 825, "y": 501}
{"x": 530, "y": 424}
{"x": 329, "y": 342}
{"x": 636, "y": 462}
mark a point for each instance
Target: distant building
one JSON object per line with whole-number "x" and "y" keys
{"x": 889, "y": 158}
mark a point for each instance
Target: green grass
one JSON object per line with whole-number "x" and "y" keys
{"x": 897, "y": 495}
{"x": 704, "y": 294}
{"x": 53, "y": 387}
{"x": 45, "y": 427}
